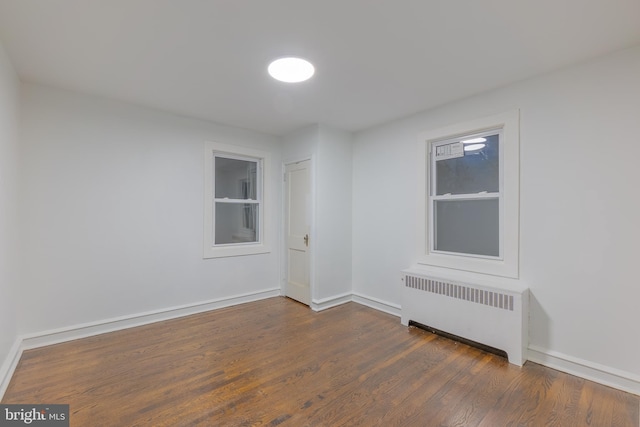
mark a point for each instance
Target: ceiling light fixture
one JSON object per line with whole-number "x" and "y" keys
{"x": 291, "y": 70}
{"x": 474, "y": 140}
{"x": 474, "y": 147}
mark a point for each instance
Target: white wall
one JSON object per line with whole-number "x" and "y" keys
{"x": 330, "y": 150}
{"x": 9, "y": 118}
{"x": 112, "y": 209}
{"x": 580, "y": 147}
{"x": 301, "y": 144}
{"x": 334, "y": 213}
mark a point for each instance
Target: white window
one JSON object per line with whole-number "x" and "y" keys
{"x": 465, "y": 193}
{"x": 235, "y": 195}
{"x": 470, "y": 210}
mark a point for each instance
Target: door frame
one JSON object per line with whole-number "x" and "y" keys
{"x": 312, "y": 228}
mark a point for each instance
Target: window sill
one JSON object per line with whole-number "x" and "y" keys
{"x": 493, "y": 267}
{"x": 232, "y": 251}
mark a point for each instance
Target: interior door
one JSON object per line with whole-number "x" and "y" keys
{"x": 297, "y": 229}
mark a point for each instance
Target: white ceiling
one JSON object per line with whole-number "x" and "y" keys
{"x": 376, "y": 60}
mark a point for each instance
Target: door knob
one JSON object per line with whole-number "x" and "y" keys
{"x": 306, "y": 240}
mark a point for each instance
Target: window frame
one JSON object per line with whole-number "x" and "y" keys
{"x": 507, "y": 263}
{"x": 433, "y": 197}
{"x": 263, "y": 160}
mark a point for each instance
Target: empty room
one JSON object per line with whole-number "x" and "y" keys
{"x": 230, "y": 213}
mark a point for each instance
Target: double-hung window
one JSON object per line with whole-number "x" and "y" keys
{"x": 235, "y": 192}
{"x": 465, "y": 193}
{"x": 470, "y": 205}
{"x": 237, "y": 196}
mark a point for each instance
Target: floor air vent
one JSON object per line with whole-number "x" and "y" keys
{"x": 488, "y": 314}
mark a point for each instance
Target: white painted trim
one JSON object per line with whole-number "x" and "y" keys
{"x": 601, "y": 374}
{"x": 209, "y": 250}
{"x": 9, "y": 366}
{"x": 621, "y": 380}
{"x": 294, "y": 160}
{"x": 377, "y": 304}
{"x": 368, "y": 301}
{"x": 84, "y": 330}
{"x": 509, "y": 122}
{"x": 55, "y": 336}
{"x": 333, "y": 301}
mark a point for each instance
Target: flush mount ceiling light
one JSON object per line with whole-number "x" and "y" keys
{"x": 291, "y": 70}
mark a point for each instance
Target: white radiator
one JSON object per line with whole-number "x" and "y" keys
{"x": 487, "y": 310}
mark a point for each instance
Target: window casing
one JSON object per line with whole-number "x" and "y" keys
{"x": 235, "y": 199}
{"x": 470, "y": 199}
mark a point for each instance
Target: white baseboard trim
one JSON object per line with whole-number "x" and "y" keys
{"x": 84, "y": 330}
{"x": 56, "y": 336}
{"x": 605, "y": 375}
{"x": 595, "y": 372}
{"x": 371, "y": 302}
{"x": 333, "y": 301}
{"x": 9, "y": 366}
{"x": 378, "y": 304}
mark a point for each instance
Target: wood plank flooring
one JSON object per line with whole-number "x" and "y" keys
{"x": 276, "y": 362}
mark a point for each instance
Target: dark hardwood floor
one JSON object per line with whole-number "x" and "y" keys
{"x": 276, "y": 362}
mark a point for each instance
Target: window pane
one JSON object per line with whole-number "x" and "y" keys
{"x": 477, "y": 171}
{"x": 467, "y": 226}
{"x": 236, "y": 179}
{"x": 236, "y": 223}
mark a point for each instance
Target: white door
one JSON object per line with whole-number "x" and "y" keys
{"x": 297, "y": 229}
